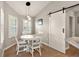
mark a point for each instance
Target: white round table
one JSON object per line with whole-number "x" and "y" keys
{"x": 27, "y": 37}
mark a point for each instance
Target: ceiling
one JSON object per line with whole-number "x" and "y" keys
{"x": 37, "y": 6}
{"x": 34, "y": 9}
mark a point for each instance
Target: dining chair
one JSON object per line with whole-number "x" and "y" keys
{"x": 35, "y": 45}
{"x": 22, "y": 45}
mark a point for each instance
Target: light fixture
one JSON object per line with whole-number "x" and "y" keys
{"x": 27, "y": 5}
{"x": 25, "y": 21}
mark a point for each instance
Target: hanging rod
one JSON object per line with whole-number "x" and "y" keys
{"x": 63, "y": 9}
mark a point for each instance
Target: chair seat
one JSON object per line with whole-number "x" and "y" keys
{"x": 35, "y": 47}
{"x": 36, "y": 41}
{"x": 23, "y": 43}
{"x": 23, "y": 47}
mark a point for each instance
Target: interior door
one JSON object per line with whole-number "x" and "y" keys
{"x": 57, "y": 31}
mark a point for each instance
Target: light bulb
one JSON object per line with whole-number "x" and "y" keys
{"x": 25, "y": 21}
{"x": 28, "y": 17}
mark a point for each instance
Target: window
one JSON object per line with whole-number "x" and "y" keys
{"x": 12, "y": 29}
{"x": 27, "y": 28}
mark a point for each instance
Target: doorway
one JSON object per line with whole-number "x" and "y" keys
{"x": 70, "y": 26}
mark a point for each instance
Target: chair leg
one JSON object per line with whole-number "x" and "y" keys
{"x": 40, "y": 51}
{"x": 17, "y": 52}
{"x": 32, "y": 52}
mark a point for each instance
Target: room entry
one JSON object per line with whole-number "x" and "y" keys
{"x": 70, "y": 26}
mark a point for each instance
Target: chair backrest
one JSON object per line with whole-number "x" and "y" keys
{"x": 36, "y": 40}
{"x": 16, "y": 40}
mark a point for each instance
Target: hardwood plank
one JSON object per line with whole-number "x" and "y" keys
{"x": 46, "y": 52}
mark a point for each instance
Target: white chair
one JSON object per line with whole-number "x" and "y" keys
{"x": 34, "y": 45}
{"x": 22, "y": 45}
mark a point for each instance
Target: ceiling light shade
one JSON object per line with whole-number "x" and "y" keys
{"x": 27, "y": 3}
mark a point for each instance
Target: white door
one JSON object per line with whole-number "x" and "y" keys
{"x": 57, "y": 31}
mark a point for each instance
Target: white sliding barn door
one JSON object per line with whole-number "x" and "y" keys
{"x": 56, "y": 29}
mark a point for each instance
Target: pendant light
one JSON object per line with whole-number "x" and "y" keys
{"x": 27, "y": 5}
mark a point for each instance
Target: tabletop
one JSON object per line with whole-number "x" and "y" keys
{"x": 27, "y": 37}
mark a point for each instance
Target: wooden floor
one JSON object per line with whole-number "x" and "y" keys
{"x": 46, "y": 52}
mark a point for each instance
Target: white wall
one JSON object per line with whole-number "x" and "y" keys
{"x": 8, "y": 10}
{"x": 77, "y": 24}
{"x": 0, "y": 21}
{"x": 1, "y": 50}
{"x": 44, "y": 28}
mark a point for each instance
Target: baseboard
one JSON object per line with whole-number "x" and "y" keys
{"x": 51, "y": 47}
{"x": 45, "y": 43}
{"x": 67, "y": 47}
{"x": 2, "y": 53}
{"x": 9, "y": 46}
